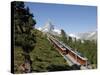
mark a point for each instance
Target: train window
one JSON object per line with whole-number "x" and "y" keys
{"x": 79, "y": 54}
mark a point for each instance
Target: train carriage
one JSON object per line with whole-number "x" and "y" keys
{"x": 67, "y": 50}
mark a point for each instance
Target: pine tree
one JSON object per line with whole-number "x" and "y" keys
{"x": 23, "y": 25}
{"x": 63, "y": 34}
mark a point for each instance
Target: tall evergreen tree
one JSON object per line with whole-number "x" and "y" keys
{"x": 23, "y": 26}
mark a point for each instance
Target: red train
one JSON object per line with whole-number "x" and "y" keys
{"x": 78, "y": 57}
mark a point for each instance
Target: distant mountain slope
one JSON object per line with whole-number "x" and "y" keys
{"x": 49, "y": 27}
{"x": 88, "y": 36}
{"x": 74, "y": 36}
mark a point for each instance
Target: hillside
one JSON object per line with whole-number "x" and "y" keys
{"x": 44, "y": 56}
{"x": 88, "y": 48}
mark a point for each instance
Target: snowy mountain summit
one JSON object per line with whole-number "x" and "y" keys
{"x": 49, "y": 27}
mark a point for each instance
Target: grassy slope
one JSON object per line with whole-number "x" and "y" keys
{"x": 43, "y": 55}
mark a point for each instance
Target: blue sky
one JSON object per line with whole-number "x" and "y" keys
{"x": 71, "y": 18}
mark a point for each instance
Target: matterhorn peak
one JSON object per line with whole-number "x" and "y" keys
{"x": 48, "y": 27}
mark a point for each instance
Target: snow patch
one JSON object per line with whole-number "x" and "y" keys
{"x": 39, "y": 28}
{"x": 72, "y": 35}
{"x": 57, "y": 30}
